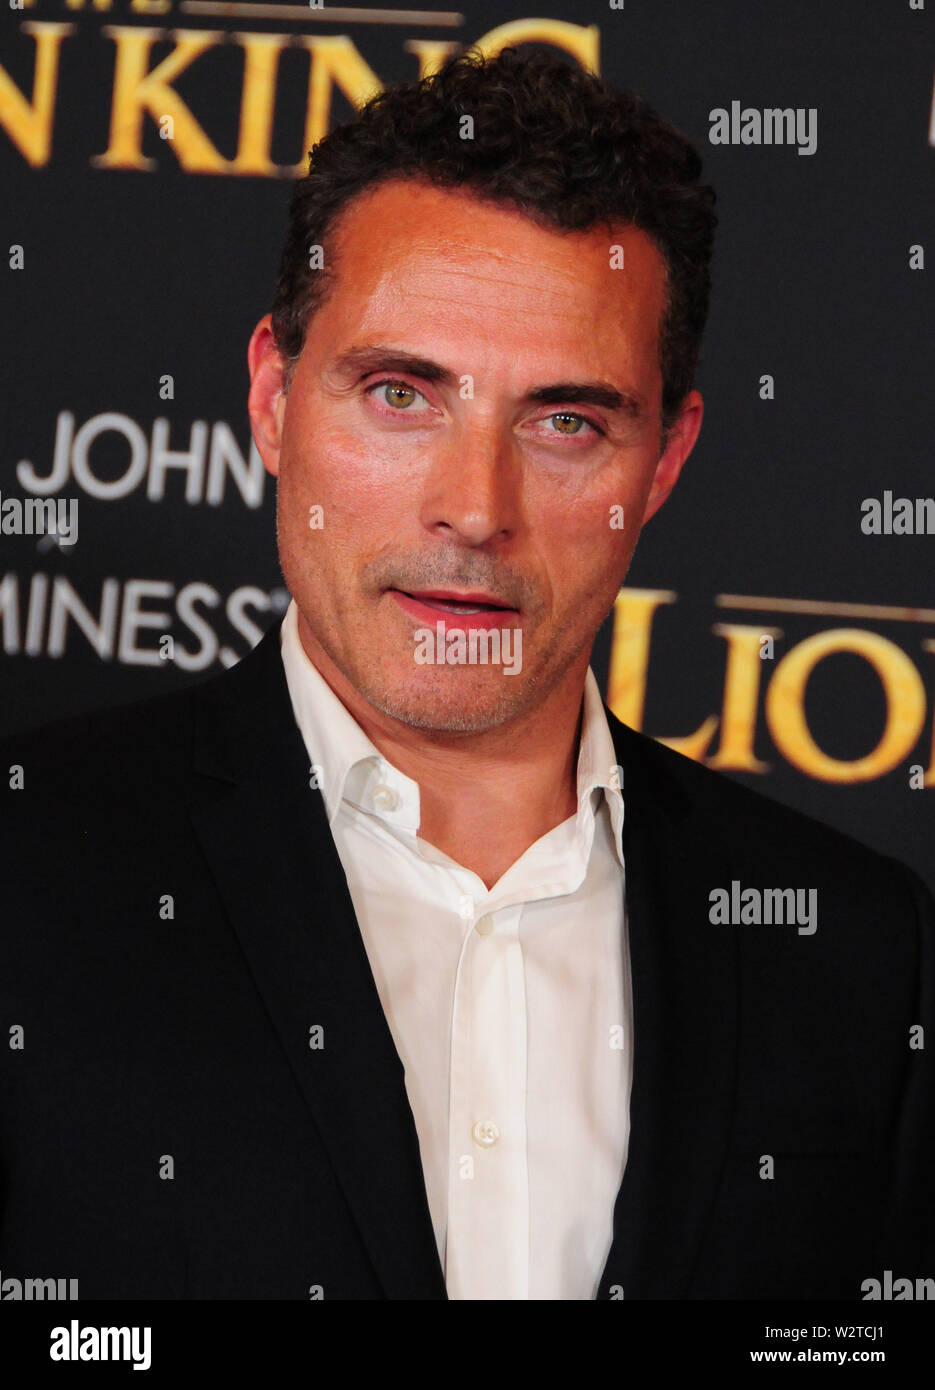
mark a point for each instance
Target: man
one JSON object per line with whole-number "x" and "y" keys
{"x": 389, "y": 963}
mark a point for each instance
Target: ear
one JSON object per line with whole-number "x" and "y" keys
{"x": 266, "y": 402}
{"x": 680, "y": 443}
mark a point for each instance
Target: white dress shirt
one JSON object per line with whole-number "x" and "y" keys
{"x": 510, "y": 1007}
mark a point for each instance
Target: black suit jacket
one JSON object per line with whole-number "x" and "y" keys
{"x": 166, "y": 1130}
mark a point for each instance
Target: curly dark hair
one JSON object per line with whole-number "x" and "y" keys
{"x": 550, "y": 140}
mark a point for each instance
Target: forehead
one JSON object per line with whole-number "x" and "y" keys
{"x": 410, "y": 256}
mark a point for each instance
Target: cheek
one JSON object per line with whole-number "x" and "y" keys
{"x": 585, "y": 548}
{"x": 359, "y": 489}
{"x": 590, "y": 533}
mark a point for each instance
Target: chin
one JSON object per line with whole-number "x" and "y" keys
{"x": 465, "y": 711}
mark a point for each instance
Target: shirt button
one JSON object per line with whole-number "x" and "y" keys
{"x": 485, "y": 1133}
{"x": 485, "y": 926}
{"x": 384, "y": 798}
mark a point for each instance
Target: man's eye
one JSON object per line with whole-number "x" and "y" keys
{"x": 398, "y": 395}
{"x": 568, "y": 417}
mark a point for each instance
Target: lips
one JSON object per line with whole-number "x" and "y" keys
{"x": 483, "y": 609}
{"x": 448, "y": 601}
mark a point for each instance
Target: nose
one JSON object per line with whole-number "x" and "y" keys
{"x": 472, "y": 491}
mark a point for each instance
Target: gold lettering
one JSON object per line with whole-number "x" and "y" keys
{"x": 334, "y": 60}
{"x": 629, "y": 651}
{"x": 634, "y": 610}
{"x": 431, "y": 53}
{"x": 741, "y": 696}
{"x": 905, "y": 705}
{"x": 261, "y": 64}
{"x": 581, "y": 42}
{"x": 929, "y": 779}
{"x": 29, "y": 125}
{"x": 137, "y": 90}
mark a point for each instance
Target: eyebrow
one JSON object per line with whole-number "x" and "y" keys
{"x": 379, "y": 358}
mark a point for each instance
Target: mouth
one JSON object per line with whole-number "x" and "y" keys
{"x": 484, "y": 610}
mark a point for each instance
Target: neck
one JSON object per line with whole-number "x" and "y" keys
{"x": 521, "y": 776}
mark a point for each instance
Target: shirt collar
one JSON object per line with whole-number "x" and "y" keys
{"x": 598, "y": 769}
{"x": 347, "y": 764}
{"x": 349, "y": 767}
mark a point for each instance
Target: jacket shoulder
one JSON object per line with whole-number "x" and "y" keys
{"x": 101, "y": 756}
{"x": 757, "y": 827}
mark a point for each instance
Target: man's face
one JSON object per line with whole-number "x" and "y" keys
{"x": 448, "y": 475}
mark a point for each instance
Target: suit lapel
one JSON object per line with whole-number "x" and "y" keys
{"x": 684, "y": 973}
{"x": 267, "y": 840}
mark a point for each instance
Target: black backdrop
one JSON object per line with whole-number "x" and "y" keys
{"x": 128, "y": 275}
